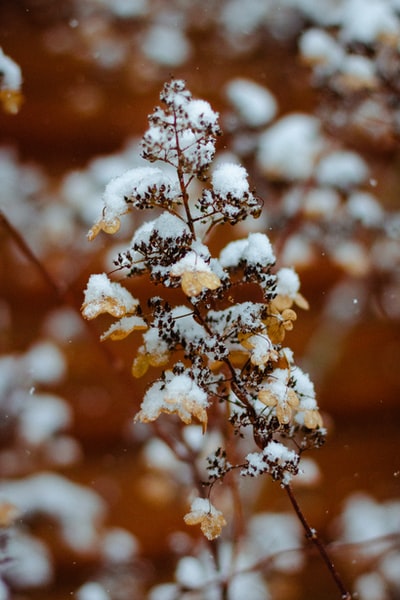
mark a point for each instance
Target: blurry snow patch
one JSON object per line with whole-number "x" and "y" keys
{"x": 77, "y": 509}
{"x": 298, "y": 251}
{"x": 250, "y": 586}
{"x": 166, "y": 45}
{"x": 277, "y": 534}
{"x": 352, "y": 257}
{"x": 92, "y": 591}
{"x": 364, "y": 519}
{"x": 30, "y": 564}
{"x": 342, "y": 169}
{"x": 357, "y": 72}
{"x": 309, "y": 473}
{"x": 340, "y": 305}
{"x": 10, "y": 73}
{"x": 254, "y": 103}
{"x": 63, "y": 325}
{"x": 118, "y": 546}
{"x": 321, "y": 202}
{"x": 62, "y": 451}
{"x": 328, "y": 12}
{"x": 43, "y": 415}
{"x": 158, "y": 455}
{"x": 364, "y": 207}
{"x": 369, "y": 22}
{"x": 320, "y": 49}
{"x": 370, "y": 586}
{"x": 290, "y": 147}
{"x": 390, "y": 568}
{"x": 124, "y": 9}
{"x": 4, "y": 591}
{"x": 243, "y": 18}
{"x": 45, "y": 363}
{"x": 164, "y": 591}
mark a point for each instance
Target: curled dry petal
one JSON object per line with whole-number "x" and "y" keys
{"x": 122, "y": 328}
{"x": 144, "y": 360}
{"x": 111, "y": 227}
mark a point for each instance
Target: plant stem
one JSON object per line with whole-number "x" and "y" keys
{"x": 312, "y": 535}
{"x": 25, "y": 249}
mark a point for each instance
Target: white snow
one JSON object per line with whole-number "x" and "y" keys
{"x": 230, "y": 178}
{"x": 368, "y": 22}
{"x": 190, "y": 262}
{"x": 319, "y": 48}
{"x": 254, "y": 103}
{"x": 370, "y": 586}
{"x": 134, "y": 182}
{"x": 359, "y": 71}
{"x": 290, "y": 147}
{"x": 10, "y": 73}
{"x": 92, "y": 591}
{"x": 256, "y": 249}
{"x": 201, "y": 114}
{"x": 45, "y": 362}
{"x": 30, "y": 565}
{"x": 342, "y": 169}
{"x": 288, "y": 282}
{"x": 119, "y": 546}
{"x": 166, "y": 45}
{"x": 100, "y": 289}
{"x": 364, "y": 207}
{"x": 43, "y": 415}
{"x": 76, "y": 508}
{"x": 321, "y": 202}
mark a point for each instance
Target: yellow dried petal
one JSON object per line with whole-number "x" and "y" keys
{"x": 140, "y": 366}
{"x": 243, "y": 339}
{"x": 8, "y": 513}
{"x": 211, "y": 523}
{"x": 283, "y": 413}
{"x": 193, "y": 282}
{"x": 292, "y": 399}
{"x": 123, "y": 327}
{"x": 301, "y": 302}
{"x": 276, "y": 331}
{"x": 289, "y": 315}
{"x": 312, "y": 419}
{"x": 91, "y": 310}
{"x": 111, "y": 227}
{"x": 281, "y": 302}
{"x": 11, "y": 101}
{"x": 267, "y": 398}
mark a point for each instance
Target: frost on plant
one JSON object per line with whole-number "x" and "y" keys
{"x": 220, "y": 346}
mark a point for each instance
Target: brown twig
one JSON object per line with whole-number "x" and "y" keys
{"x": 312, "y": 535}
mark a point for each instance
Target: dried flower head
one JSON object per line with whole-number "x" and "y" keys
{"x": 203, "y": 513}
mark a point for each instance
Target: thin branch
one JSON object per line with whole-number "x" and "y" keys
{"x": 26, "y": 250}
{"x": 312, "y": 535}
{"x": 62, "y": 294}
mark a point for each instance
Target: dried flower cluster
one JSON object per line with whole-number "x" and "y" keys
{"x": 216, "y": 350}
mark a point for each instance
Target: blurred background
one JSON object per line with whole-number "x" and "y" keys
{"x": 92, "y": 71}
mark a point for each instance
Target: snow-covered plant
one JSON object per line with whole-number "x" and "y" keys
{"x": 216, "y": 330}
{"x": 10, "y": 84}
